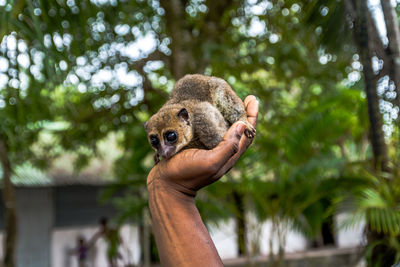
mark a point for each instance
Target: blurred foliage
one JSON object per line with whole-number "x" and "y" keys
{"x": 105, "y": 66}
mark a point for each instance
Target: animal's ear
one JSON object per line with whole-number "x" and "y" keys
{"x": 183, "y": 114}
{"x": 144, "y": 124}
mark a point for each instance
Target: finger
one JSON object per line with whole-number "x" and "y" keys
{"x": 209, "y": 165}
{"x": 251, "y": 105}
{"x": 248, "y": 99}
{"x": 199, "y": 165}
{"x": 243, "y": 145}
{"x": 228, "y": 146}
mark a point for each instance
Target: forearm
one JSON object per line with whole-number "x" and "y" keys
{"x": 181, "y": 237}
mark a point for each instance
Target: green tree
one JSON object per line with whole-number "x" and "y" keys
{"x": 88, "y": 70}
{"x": 39, "y": 76}
{"x": 24, "y": 112}
{"x": 370, "y": 47}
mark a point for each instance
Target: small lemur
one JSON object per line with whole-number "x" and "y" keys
{"x": 199, "y": 111}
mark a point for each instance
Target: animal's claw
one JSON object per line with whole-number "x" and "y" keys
{"x": 250, "y": 132}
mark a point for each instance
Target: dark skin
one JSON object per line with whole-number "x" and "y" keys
{"x": 181, "y": 236}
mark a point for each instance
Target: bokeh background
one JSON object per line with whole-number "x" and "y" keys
{"x": 78, "y": 78}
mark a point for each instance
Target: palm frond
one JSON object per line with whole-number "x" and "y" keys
{"x": 384, "y": 220}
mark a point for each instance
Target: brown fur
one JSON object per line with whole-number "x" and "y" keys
{"x": 200, "y": 110}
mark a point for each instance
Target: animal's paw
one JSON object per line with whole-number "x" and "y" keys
{"x": 250, "y": 132}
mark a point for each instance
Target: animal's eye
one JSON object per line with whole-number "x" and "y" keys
{"x": 171, "y": 136}
{"x": 154, "y": 140}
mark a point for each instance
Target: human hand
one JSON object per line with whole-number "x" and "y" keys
{"x": 196, "y": 168}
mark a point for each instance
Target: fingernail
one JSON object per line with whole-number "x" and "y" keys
{"x": 240, "y": 128}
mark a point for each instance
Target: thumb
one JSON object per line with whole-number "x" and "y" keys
{"x": 216, "y": 158}
{"x": 207, "y": 163}
{"x": 234, "y": 133}
{"x": 230, "y": 142}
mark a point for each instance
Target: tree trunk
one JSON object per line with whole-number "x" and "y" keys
{"x": 145, "y": 242}
{"x": 362, "y": 38}
{"x": 10, "y": 208}
{"x": 393, "y": 34}
{"x": 187, "y": 55}
{"x": 154, "y": 256}
{"x": 174, "y": 17}
{"x": 328, "y": 237}
{"x": 240, "y": 222}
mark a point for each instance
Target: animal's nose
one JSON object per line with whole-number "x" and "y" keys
{"x": 167, "y": 151}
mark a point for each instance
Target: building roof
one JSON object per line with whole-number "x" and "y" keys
{"x": 27, "y": 175}
{"x": 62, "y": 172}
